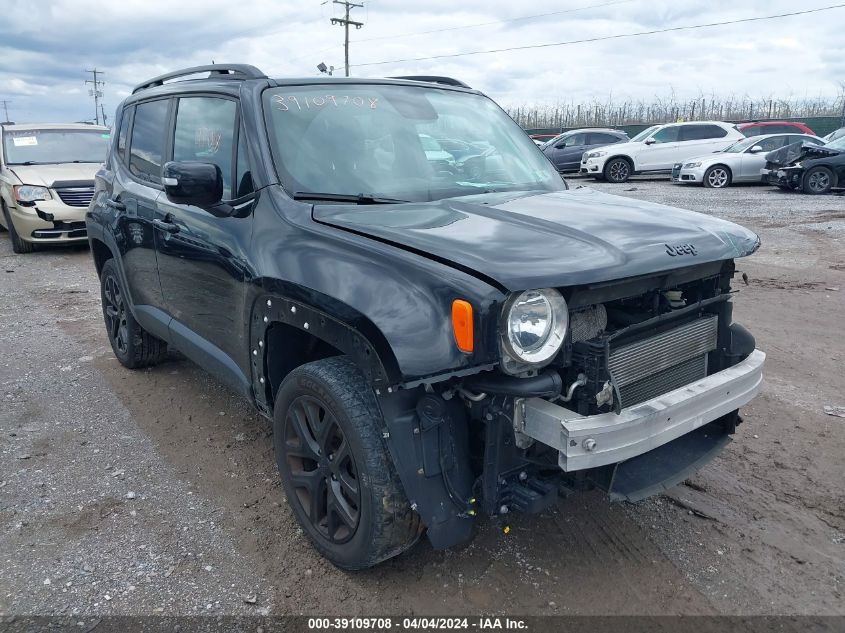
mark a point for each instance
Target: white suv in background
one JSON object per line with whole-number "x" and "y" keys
{"x": 658, "y": 148}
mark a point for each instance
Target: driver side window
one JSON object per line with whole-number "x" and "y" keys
{"x": 205, "y": 132}
{"x": 666, "y": 135}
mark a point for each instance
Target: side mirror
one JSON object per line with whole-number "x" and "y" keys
{"x": 650, "y": 141}
{"x": 193, "y": 182}
{"x": 560, "y": 145}
{"x": 756, "y": 149}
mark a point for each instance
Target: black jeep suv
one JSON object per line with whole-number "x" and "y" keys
{"x": 435, "y": 335}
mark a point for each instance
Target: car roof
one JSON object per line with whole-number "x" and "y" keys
{"x": 759, "y": 136}
{"x": 54, "y": 126}
{"x": 720, "y": 123}
{"x": 764, "y": 123}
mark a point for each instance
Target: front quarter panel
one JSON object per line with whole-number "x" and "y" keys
{"x": 400, "y": 301}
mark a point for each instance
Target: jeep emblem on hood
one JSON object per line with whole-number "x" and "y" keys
{"x": 681, "y": 249}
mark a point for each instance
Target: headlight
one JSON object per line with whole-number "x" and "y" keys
{"x": 690, "y": 165}
{"x": 534, "y": 326}
{"x": 595, "y": 154}
{"x": 31, "y": 193}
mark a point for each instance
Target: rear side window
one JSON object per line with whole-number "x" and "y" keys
{"x": 123, "y": 134}
{"x": 783, "y": 128}
{"x": 597, "y": 138}
{"x": 796, "y": 138}
{"x": 205, "y": 132}
{"x": 752, "y": 130}
{"x": 146, "y": 147}
{"x": 702, "y": 132}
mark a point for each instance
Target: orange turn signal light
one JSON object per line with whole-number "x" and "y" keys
{"x": 462, "y": 325}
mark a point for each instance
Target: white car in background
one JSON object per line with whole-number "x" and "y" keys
{"x": 658, "y": 148}
{"x": 741, "y": 162}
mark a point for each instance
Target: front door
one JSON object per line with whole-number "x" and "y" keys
{"x": 202, "y": 258}
{"x": 136, "y": 187}
{"x": 660, "y": 151}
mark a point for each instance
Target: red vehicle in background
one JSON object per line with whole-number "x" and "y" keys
{"x": 756, "y": 128}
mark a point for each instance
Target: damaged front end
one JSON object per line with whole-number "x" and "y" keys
{"x": 643, "y": 390}
{"x": 785, "y": 167}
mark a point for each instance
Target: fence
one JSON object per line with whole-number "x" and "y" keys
{"x": 828, "y": 114}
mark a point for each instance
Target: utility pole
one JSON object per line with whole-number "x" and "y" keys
{"x": 96, "y": 92}
{"x": 5, "y": 108}
{"x": 346, "y": 22}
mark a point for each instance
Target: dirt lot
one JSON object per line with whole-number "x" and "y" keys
{"x": 156, "y": 492}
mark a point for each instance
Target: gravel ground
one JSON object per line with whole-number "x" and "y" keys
{"x": 155, "y": 491}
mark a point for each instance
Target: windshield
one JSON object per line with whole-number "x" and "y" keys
{"x": 838, "y": 144}
{"x": 398, "y": 142}
{"x": 639, "y": 138}
{"x": 37, "y": 147}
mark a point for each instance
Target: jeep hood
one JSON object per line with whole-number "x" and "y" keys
{"x": 46, "y": 175}
{"x": 537, "y": 240}
{"x": 789, "y": 154}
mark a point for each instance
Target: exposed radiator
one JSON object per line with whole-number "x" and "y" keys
{"x": 664, "y": 362}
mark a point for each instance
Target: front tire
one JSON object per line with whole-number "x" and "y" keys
{"x": 618, "y": 170}
{"x": 717, "y": 177}
{"x": 335, "y": 468}
{"x": 817, "y": 181}
{"x": 19, "y": 246}
{"x": 133, "y": 346}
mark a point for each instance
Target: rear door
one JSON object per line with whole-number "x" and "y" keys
{"x": 202, "y": 259}
{"x": 699, "y": 139}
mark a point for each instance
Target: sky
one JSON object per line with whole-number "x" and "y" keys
{"x": 47, "y": 45}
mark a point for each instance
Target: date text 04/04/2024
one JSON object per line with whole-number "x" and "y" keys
{"x": 417, "y": 624}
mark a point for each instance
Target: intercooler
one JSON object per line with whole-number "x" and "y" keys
{"x": 651, "y": 366}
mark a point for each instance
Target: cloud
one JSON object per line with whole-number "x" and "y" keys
{"x": 46, "y": 45}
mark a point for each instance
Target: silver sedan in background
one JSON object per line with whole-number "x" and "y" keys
{"x": 740, "y": 162}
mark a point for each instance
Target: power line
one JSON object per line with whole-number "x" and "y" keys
{"x": 468, "y": 26}
{"x": 345, "y": 22}
{"x": 96, "y": 92}
{"x": 604, "y": 38}
{"x": 5, "y": 108}
{"x": 495, "y": 22}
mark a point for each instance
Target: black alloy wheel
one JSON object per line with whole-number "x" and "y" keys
{"x": 818, "y": 181}
{"x": 114, "y": 311}
{"x": 617, "y": 170}
{"x": 322, "y": 469}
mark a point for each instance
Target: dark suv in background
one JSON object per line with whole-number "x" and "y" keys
{"x": 565, "y": 150}
{"x": 431, "y": 344}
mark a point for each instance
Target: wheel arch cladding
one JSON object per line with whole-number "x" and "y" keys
{"x": 286, "y": 333}
{"x": 101, "y": 254}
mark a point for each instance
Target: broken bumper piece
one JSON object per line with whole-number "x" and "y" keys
{"x": 587, "y": 442}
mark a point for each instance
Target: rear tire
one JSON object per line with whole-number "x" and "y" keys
{"x": 817, "y": 181}
{"x": 717, "y": 177}
{"x": 133, "y": 346}
{"x": 335, "y": 468}
{"x": 18, "y": 245}
{"x": 618, "y": 170}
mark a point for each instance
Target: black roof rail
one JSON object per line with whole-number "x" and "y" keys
{"x": 434, "y": 79}
{"x": 226, "y": 71}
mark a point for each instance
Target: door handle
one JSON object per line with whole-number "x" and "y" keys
{"x": 167, "y": 227}
{"x": 115, "y": 204}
